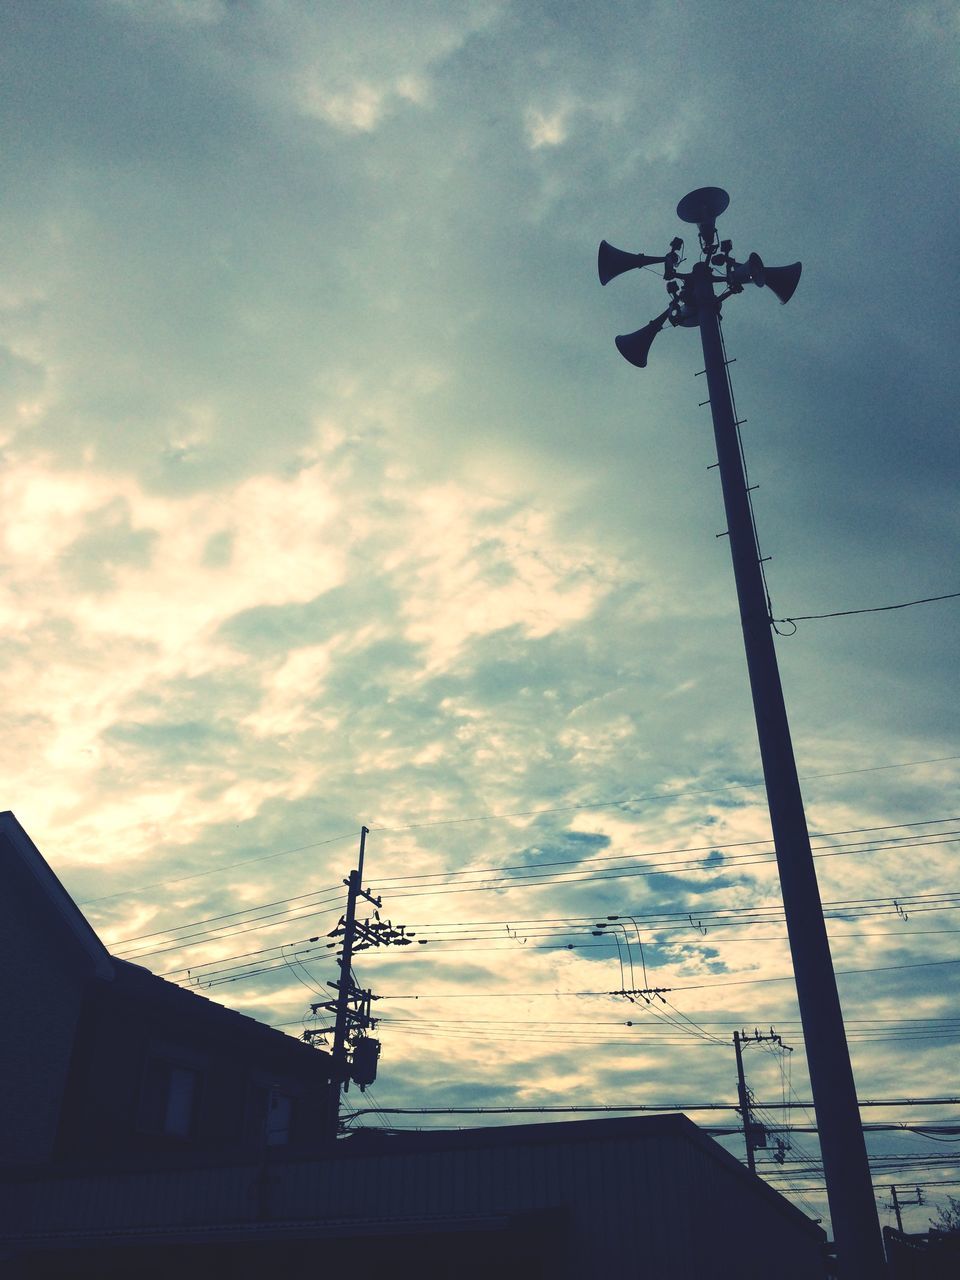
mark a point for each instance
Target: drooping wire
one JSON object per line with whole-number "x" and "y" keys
{"x": 196, "y": 875}
{"x": 196, "y": 934}
{"x": 310, "y": 984}
{"x": 702, "y": 1031}
{"x": 664, "y": 795}
{"x": 494, "y": 817}
{"x": 847, "y": 613}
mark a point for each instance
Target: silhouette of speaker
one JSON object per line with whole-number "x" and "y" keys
{"x": 781, "y": 281}
{"x": 703, "y": 207}
{"x": 613, "y": 262}
{"x": 749, "y": 272}
{"x": 635, "y": 347}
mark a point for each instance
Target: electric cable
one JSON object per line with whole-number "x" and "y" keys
{"x": 668, "y": 795}
{"x": 213, "y": 871}
{"x": 882, "y": 608}
{"x": 734, "y": 861}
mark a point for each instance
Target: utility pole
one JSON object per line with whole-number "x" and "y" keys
{"x": 896, "y": 1209}
{"x": 754, "y": 1135}
{"x": 744, "y": 1097}
{"x": 897, "y": 1203}
{"x": 354, "y": 1055}
{"x": 694, "y": 303}
{"x": 352, "y": 1006}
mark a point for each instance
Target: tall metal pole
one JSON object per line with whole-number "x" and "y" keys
{"x": 853, "y": 1208}
{"x": 744, "y": 1105}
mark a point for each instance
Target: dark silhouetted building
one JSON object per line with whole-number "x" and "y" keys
{"x": 104, "y": 1061}
{"x": 149, "y": 1132}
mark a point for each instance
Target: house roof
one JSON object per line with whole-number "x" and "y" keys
{"x": 19, "y": 851}
{"x": 148, "y": 989}
{"x": 675, "y": 1126}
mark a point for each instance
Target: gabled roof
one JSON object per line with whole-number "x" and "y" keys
{"x": 17, "y": 848}
{"x": 19, "y": 853}
{"x": 150, "y": 990}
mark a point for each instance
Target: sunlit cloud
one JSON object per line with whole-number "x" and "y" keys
{"x": 327, "y": 500}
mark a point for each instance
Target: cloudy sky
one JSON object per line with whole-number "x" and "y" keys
{"x": 327, "y": 500}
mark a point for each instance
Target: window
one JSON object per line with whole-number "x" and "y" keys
{"x": 181, "y": 1097}
{"x": 271, "y": 1115}
{"x": 279, "y": 1118}
{"x": 168, "y": 1099}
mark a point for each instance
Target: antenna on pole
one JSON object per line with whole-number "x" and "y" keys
{"x": 694, "y": 303}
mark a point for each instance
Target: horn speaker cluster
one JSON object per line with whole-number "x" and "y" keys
{"x": 701, "y": 207}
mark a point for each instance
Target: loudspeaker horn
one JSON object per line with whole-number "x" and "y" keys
{"x": 782, "y": 281}
{"x": 635, "y": 347}
{"x": 750, "y": 272}
{"x": 703, "y": 207}
{"x": 613, "y": 262}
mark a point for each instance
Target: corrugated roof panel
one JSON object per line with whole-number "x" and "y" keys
{"x": 657, "y": 1200}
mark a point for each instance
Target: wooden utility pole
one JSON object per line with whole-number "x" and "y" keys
{"x": 352, "y": 1006}
{"x": 744, "y": 1095}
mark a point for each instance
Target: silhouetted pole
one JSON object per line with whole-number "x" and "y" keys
{"x": 744, "y": 1104}
{"x": 338, "y": 1054}
{"x": 896, "y": 1209}
{"x": 853, "y": 1208}
{"x": 693, "y": 303}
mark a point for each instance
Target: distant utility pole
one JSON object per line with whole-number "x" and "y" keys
{"x": 754, "y": 1135}
{"x": 695, "y": 304}
{"x": 897, "y": 1203}
{"x": 354, "y": 1054}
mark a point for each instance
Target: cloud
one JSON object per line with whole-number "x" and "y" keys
{"x": 547, "y": 128}
{"x": 327, "y": 499}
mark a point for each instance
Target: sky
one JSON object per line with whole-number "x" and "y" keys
{"x": 327, "y": 500}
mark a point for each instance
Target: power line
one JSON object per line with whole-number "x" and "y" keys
{"x": 840, "y": 907}
{"x": 656, "y": 1107}
{"x": 214, "y": 980}
{"x": 503, "y": 945}
{"x": 193, "y": 970}
{"x": 493, "y": 817}
{"x": 893, "y": 842}
{"x": 181, "y": 943}
{"x": 602, "y": 1034}
{"x": 227, "y": 915}
{"x": 735, "y": 861}
{"x": 668, "y": 795}
{"x": 883, "y": 608}
{"x": 642, "y": 870}
{"x": 694, "y": 986}
{"x": 936, "y": 1182}
{"x": 886, "y": 968}
{"x": 196, "y": 875}
{"x": 547, "y": 879}
{"x": 560, "y": 927}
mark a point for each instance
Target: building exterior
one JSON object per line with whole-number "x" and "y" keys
{"x": 104, "y": 1061}
{"x": 931, "y": 1255}
{"x": 149, "y": 1132}
{"x": 638, "y": 1197}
